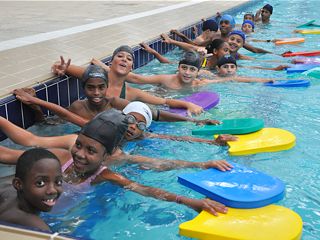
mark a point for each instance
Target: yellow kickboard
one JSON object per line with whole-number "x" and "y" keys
{"x": 311, "y": 31}
{"x": 265, "y": 140}
{"x": 271, "y": 222}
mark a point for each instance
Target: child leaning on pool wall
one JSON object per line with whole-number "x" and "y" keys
{"x": 121, "y": 66}
{"x": 35, "y": 188}
{"x": 83, "y": 163}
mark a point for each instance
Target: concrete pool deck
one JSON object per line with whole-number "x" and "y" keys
{"x": 35, "y": 33}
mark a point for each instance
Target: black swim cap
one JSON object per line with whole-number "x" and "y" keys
{"x": 123, "y": 48}
{"x": 211, "y": 25}
{"x": 191, "y": 58}
{"x": 226, "y": 59}
{"x": 108, "y": 128}
{"x": 94, "y": 71}
{"x": 268, "y": 7}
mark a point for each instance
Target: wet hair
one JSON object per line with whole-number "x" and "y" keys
{"x": 29, "y": 158}
{"x": 191, "y": 58}
{"x": 225, "y": 60}
{"x": 108, "y": 128}
{"x": 94, "y": 71}
{"x": 268, "y": 7}
{"x": 215, "y": 44}
{"x": 123, "y": 48}
{"x": 210, "y": 25}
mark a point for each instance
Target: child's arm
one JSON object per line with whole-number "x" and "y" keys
{"x": 278, "y": 68}
{"x": 9, "y": 156}
{"x": 183, "y": 45}
{"x": 196, "y": 204}
{"x": 254, "y": 49}
{"x": 148, "y": 49}
{"x": 60, "y": 111}
{"x": 142, "y": 79}
{"x": 23, "y": 137}
{"x": 221, "y": 140}
{"x": 142, "y": 96}
{"x": 62, "y": 67}
{"x": 182, "y": 36}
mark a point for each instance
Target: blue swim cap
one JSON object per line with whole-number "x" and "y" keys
{"x": 228, "y": 18}
{"x": 249, "y": 22}
{"x": 240, "y": 33}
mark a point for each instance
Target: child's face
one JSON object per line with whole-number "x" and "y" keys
{"x": 228, "y": 69}
{"x": 248, "y": 17}
{"x": 222, "y": 50}
{"x": 187, "y": 73}
{"x": 122, "y": 63}
{"x": 136, "y": 127}
{"x": 95, "y": 90}
{"x": 225, "y": 27}
{"x": 247, "y": 28}
{"x": 43, "y": 184}
{"x": 235, "y": 42}
{"x": 265, "y": 14}
{"x": 87, "y": 154}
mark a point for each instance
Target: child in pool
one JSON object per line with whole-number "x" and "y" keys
{"x": 263, "y": 15}
{"x": 247, "y": 26}
{"x": 35, "y": 188}
{"x": 121, "y": 65}
{"x": 83, "y": 163}
{"x": 248, "y": 16}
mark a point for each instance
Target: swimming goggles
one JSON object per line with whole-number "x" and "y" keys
{"x": 132, "y": 120}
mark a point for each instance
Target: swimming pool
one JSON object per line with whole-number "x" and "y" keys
{"x": 109, "y": 212}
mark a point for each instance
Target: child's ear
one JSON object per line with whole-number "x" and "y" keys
{"x": 214, "y": 51}
{"x": 17, "y": 183}
{"x": 217, "y": 68}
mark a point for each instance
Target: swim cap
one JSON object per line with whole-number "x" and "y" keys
{"x": 240, "y": 33}
{"x": 249, "y": 22}
{"x": 191, "y": 58}
{"x": 210, "y": 24}
{"x": 228, "y": 18}
{"x": 268, "y": 7}
{"x": 123, "y": 48}
{"x": 215, "y": 44}
{"x": 141, "y": 108}
{"x": 108, "y": 128}
{"x": 94, "y": 71}
{"x": 226, "y": 59}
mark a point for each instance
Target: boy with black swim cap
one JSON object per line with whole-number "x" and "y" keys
{"x": 264, "y": 14}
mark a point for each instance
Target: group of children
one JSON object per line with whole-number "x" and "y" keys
{"x": 114, "y": 112}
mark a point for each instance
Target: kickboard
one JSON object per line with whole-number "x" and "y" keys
{"x": 299, "y": 68}
{"x": 306, "y": 24}
{"x": 231, "y": 126}
{"x": 314, "y": 72}
{"x": 269, "y": 222}
{"x": 310, "y": 31}
{"x": 264, "y": 140}
{"x": 289, "y": 41}
{"x": 207, "y": 100}
{"x": 293, "y": 54}
{"x": 241, "y": 187}
{"x": 289, "y": 83}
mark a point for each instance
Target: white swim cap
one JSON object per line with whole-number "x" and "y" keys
{"x": 141, "y": 108}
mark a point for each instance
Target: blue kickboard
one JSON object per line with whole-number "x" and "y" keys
{"x": 299, "y": 68}
{"x": 241, "y": 187}
{"x": 288, "y": 83}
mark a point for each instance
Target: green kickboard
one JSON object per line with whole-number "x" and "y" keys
{"x": 315, "y": 72}
{"x": 231, "y": 126}
{"x": 306, "y": 24}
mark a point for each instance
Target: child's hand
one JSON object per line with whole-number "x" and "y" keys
{"x": 207, "y": 122}
{"x": 60, "y": 68}
{"x": 221, "y": 165}
{"x": 222, "y": 139}
{"x": 208, "y": 205}
{"x": 194, "y": 109}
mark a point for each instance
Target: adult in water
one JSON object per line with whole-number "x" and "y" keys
{"x": 83, "y": 163}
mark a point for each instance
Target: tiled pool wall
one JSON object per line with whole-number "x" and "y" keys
{"x": 65, "y": 90}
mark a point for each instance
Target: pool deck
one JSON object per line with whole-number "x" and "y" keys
{"x": 35, "y": 33}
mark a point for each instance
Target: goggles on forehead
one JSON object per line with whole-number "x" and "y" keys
{"x": 132, "y": 120}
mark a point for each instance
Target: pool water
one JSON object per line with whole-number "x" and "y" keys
{"x": 110, "y": 212}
